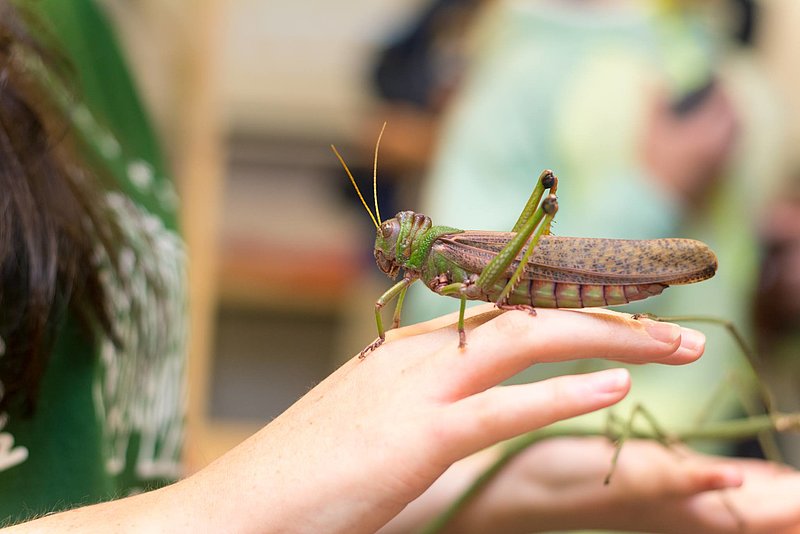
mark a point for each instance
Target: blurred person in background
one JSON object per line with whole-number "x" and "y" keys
{"x": 777, "y": 316}
{"x": 656, "y": 126}
{"x": 413, "y": 77}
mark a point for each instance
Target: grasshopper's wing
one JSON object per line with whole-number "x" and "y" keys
{"x": 590, "y": 260}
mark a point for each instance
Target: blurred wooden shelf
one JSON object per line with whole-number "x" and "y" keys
{"x": 255, "y": 273}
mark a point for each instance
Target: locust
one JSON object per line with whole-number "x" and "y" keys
{"x": 525, "y": 268}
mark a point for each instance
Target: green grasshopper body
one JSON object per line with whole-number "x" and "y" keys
{"x": 527, "y": 267}
{"x": 562, "y": 272}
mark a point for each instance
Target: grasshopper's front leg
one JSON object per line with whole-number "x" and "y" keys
{"x": 397, "y": 290}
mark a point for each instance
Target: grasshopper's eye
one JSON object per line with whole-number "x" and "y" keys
{"x": 386, "y": 230}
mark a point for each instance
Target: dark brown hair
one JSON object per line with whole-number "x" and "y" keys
{"x": 51, "y": 220}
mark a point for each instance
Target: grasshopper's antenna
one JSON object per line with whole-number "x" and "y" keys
{"x": 375, "y": 174}
{"x": 353, "y": 181}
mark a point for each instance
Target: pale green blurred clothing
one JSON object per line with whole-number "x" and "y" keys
{"x": 567, "y": 88}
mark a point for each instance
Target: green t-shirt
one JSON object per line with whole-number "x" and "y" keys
{"x": 109, "y": 417}
{"x": 109, "y": 420}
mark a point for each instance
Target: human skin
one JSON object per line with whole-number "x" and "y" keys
{"x": 557, "y": 484}
{"x": 378, "y": 432}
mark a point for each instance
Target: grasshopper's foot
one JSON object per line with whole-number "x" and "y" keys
{"x": 369, "y": 348}
{"x": 522, "y": 307}
{"x": 462, "y": 339}
{"x": 644, "y": 315}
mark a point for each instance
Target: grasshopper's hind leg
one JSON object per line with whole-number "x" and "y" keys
{"x": 547, "y": 182}
{"x": 533, "y": 222}
{"x": 533, "y": 229}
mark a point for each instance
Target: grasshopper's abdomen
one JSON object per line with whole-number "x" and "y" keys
{"x": 548, "y": 294}
{"x": 568, "y": 272}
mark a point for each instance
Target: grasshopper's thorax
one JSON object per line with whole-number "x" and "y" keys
{"x": 404, "y": 242}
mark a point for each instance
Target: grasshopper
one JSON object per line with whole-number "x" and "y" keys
{"x": 526, "y": 267}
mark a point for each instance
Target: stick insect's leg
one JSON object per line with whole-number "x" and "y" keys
{"x": 547, "y": 181}
{"x": 737, "y": 383}
{"x": 666, "y": 440}
{"x": 627, "y": 431}
{"x": 766, "y": 439}
{"x": 753, "y": 358}
{"x": 714, "y": 400}
{"x": 382, "y": 301}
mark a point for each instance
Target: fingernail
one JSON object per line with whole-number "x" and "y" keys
{"x": 727, "y": 477}
{"x": 663, "y": 332}
{"x": 610, "y": 380}
{"x": 692, "y": 339}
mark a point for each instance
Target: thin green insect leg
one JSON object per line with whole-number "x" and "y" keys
{"x": 385, "y": 299}
{"x": 520, "y": 270}
{"x": 452, "y": 289}
{"x": 547, "y": 180}
{"x": 462, "y": 335}
{"x": 714, "y": 400}
{"x": 399, "y": 307}
{"x": 766, "y": 439}
{"x": 499, "y": 264}
{"x": 659, "y": 435}
{"x": 753, "y": 359}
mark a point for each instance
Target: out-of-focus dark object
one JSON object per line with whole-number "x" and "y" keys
{"x": 745, "y": 13}
{"x": 422, "y": 65}
{"x": 777, "y": 301}
{"x": 413, "y": 76}
{"x": 692, "y": 100}
{"x": 776, "y": 310}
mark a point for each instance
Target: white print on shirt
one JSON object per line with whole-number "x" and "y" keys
{"x": 9, "y": 454}
{"x": 141, "y": 388}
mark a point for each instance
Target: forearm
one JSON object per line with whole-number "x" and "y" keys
{"x": 247, "y": 490}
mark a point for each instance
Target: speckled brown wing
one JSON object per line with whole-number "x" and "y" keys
{"x": 590, "y": 260}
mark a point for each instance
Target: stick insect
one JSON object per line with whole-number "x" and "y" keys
{"x": 527, "y": 267}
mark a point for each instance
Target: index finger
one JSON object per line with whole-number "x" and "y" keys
{"x": 474, "y": 316}
{"x": 515, "y": 340}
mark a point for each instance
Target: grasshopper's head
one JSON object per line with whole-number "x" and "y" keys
{"x": 397, "y": 236}
{"x": 395, "y": 240}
